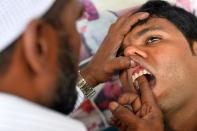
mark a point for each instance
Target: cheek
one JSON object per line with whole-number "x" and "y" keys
{"x": 173, "y": 76}
{"x": 172, "y": 60}
{"x": 173, "y": 73}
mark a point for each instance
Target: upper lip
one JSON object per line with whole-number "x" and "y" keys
{"x": 137, "y": 69}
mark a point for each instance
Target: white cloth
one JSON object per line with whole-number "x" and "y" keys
{"x": 15, "y": 16}
{"x": 80, "y": 98}
{"x": 194, "y": 6}
{"x": 17, "y": 114}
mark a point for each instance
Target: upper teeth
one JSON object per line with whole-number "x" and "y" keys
{"x": 142, "y": 72}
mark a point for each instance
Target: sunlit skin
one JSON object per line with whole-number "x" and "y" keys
{"x": 161, "y": 48}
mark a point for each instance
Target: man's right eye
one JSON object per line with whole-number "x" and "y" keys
{"x": 152, "y": 40}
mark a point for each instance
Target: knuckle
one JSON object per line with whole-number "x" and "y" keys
{"x": 135, "y": 18}
{"x": 127, "y": 98}
{"x": 109, "y": 39}
{"x": 140, "y": 125}
{"x": 138, "y": 14}
{"x": 117, "y": 38}
{"x": 121, "y": 62}
{"x": 106, "y": 68}
{"x": 111, "y": 29}
{"x": 123, "y": 98}
{"x": 126, "y": 62}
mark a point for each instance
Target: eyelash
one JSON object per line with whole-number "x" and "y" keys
{"x": 152, "y": 40}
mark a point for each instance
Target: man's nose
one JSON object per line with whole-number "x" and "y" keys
{"x": 134, "y": 50}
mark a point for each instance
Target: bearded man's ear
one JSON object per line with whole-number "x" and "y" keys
{"x": 39, "y": 45}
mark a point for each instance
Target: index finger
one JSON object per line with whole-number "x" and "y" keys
{"x": 146, "y": 92}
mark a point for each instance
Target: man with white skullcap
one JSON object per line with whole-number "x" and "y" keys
{"x": 39, "y": 48}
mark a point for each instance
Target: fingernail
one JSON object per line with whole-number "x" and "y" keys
{"x": 113, "y": 106}
{"x": 132, "y": 63}
{"x": 144, "y": 15}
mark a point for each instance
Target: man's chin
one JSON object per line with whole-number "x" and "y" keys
{"x": 65, "y": 104}
{"x": 162, "y": 99}
{"x": 66, "y": 96}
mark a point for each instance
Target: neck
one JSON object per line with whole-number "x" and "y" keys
{"x": 17, "y": 82}
{"x": 185, "y": 119}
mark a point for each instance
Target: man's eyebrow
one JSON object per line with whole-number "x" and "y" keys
{"x": 149, "y": 29}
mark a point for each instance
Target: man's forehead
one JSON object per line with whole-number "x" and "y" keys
{"x": 151, "y": 24}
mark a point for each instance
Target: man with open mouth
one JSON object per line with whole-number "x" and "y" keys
{"x": 163, "y": 48}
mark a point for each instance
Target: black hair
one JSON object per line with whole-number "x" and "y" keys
{"x": 185, "y": 21}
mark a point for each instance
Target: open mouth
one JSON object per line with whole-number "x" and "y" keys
{"x": 143, "y": 72}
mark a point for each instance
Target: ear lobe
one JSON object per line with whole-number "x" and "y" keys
{"x": 34, "y": 48}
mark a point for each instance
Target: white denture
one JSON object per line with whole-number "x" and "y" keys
{"x": 142, "y": 72}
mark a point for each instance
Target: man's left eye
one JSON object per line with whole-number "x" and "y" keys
{"x": 152, "y": 40}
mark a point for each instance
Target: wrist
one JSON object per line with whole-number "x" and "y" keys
{"x": 87, "y": 75}
{"x": 86, "y": 89}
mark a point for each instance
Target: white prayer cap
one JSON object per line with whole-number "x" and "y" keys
{"x": 15, "y": 16}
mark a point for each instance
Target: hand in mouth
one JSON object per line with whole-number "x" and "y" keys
{"x": 136, "y": 72}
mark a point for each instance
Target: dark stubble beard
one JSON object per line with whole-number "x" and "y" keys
{"x": 66, "y": 93}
